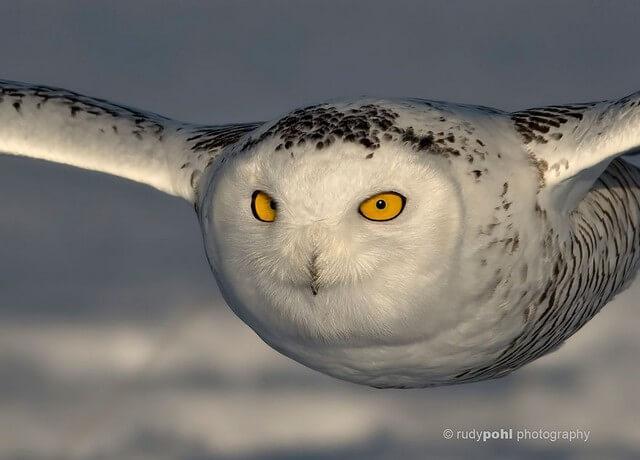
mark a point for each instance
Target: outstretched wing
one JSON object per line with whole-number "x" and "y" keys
{"x": 65, "y": 127}
{"x": 573, "y": 144}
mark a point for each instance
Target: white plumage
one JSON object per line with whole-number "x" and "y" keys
{"x": 511, "y": 230}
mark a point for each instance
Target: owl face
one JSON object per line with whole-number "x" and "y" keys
{"x": 334, "y": 246}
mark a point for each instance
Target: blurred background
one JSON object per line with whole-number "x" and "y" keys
{"x": 114, "y": 340}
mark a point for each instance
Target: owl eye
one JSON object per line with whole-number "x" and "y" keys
{"x": 383, "y": 206}
{"x": 264, "y": 207}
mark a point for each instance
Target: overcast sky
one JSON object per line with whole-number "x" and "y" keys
{"x": 114, "y": 338}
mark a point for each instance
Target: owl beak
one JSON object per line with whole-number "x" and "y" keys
{"x": 313, "y": 273}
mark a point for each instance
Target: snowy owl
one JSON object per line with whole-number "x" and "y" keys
{"x": 388, "y": 242}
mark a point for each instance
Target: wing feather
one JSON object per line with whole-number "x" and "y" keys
{"x": 62, "y": 126}
{"x": 573, "y": 144}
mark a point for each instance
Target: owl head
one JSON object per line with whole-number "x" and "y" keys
{"x": 337, "y": 232}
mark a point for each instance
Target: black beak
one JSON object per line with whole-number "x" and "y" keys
{"x": 313, "y": 273}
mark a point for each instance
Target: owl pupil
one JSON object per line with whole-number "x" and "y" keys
{"x": 273, "y": 205}
{"x": 381, "y": 204}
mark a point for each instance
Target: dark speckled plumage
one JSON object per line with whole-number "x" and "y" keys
{"x": 322, "y": 125}
{"x": 601, "y": 256}
{"x": 541, "y": 124}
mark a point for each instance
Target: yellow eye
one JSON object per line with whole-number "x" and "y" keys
{"x": 263, "y": 206}
{"x": 383, "y": 206}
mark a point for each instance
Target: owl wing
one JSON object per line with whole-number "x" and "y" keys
{"x": 65, "y": 127}
{"x": 573, "y": 144}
